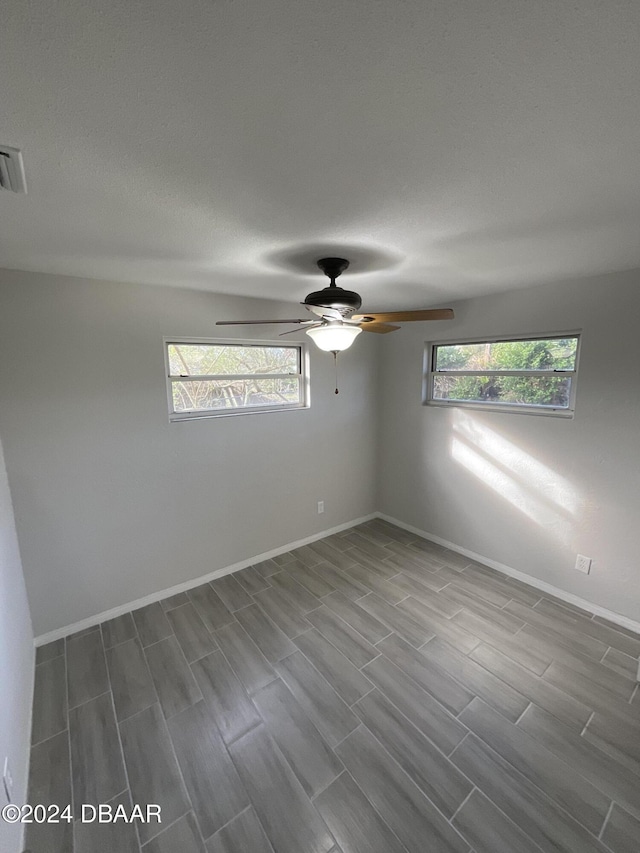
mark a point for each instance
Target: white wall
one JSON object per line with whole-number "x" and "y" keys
{"x": 528, "y": 492}
{"x": 112, "y": 501}
{"x": 17, "y": 662}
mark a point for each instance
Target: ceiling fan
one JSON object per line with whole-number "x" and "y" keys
{"x": 338, "y": 325}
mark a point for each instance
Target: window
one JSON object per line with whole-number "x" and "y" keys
{"x": 530, "y": 375}
{"x": 210, "y": 378}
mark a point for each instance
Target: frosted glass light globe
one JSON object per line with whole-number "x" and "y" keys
{"x": 334, "y": 338}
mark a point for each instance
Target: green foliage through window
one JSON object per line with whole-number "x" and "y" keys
{"x": 534, "y": 373}
{"x": 536, "y": 354}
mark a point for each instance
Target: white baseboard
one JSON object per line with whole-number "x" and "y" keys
{"x": 91, "y": 621}
{"x": 590, "y": 607}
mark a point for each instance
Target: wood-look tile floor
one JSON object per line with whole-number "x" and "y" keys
{"x": 369, "y": 693}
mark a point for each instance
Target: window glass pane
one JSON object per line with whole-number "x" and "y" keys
{"x": 221, "y": 359}
{"x": 511, "y": 390}
{"x": 200, "y": 395}
{"x": 540, "y": 354}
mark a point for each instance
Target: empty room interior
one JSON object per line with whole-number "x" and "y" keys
{"x": 278, "y": 575}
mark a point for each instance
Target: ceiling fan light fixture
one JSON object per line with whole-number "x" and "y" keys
{"x": 334, "y": 337}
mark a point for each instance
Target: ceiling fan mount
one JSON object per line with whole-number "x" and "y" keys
{"x": 334, "y": 296}
{"x": 333, "y": 267}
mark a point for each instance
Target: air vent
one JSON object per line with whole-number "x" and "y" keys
{"x": 12, "y": 170}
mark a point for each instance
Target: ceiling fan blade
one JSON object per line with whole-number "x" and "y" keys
{"x": 321, "y": 311}
{"x": 257, "y": 322}
{"x": 380, "y": 328}
{"x": 310, "y": 324}
{"x": 406, "y": 316}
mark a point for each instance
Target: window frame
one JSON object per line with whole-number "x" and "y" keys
{"x": 198, "y": 414}
{"x": 530, "y": 409}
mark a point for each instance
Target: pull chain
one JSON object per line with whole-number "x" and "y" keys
{"x": 335, "y": 361}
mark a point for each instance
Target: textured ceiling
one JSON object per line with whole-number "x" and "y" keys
{"x": 448, "y": 148}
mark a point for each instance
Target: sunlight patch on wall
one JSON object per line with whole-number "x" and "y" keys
{"x": 531, "y": 487}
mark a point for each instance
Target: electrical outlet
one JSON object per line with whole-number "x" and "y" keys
{"x": 320, "y": 507}
{"x": 583, "y": 564}
{"x": 7, "y": 780}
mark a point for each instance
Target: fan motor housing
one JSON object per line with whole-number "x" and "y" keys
{"x": 345, "y": 301}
